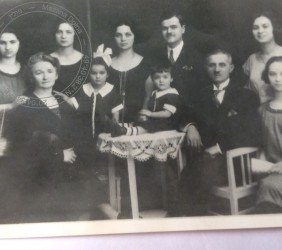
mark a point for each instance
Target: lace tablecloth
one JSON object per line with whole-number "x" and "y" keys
{"x": 158, "y": 145}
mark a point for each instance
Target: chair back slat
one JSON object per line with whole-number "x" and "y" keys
{"x": 241, "y": 151}
{"x": 238, "y": 158}
{"x": 249, "y": 169}
{"x": 243, "y": 156}
{"x": 243, "y": 170}
{"x": 230, "y": 171}
{"x": 2, "y": 116}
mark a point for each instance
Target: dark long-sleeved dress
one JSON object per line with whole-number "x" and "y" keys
{"x": 41, "y": 186}
{"x": 132, "y": 83}
{"x": 94, "y": 109}
{"x": 37, "y": 134}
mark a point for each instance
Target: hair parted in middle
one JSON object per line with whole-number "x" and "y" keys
{"x": 264, "y": 75}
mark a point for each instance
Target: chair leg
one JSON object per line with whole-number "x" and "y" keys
{"x": 234, "y": 205}
{"x": 180, "y": 165}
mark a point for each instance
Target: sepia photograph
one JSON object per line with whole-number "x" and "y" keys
{"x": 132, "y": 116}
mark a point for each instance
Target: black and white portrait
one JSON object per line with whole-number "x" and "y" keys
{"x": 140, "y": 112}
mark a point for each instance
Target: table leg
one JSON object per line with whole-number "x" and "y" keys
{"x": 112, "y": 184}
{"x": 162, "y": 166}
{"x": 133, "y": 187}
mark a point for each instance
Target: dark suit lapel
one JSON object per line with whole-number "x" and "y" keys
{"x": 227, "y": 102}
{"x": 181, "y": 59}
{"x": 185, "y": 59}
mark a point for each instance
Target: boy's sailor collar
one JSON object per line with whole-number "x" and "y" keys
{"x": 89, "y": 90}
{"x": 164, "y": 92}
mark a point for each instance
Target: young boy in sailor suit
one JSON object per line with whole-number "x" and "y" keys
{"x": 163, "y": 107}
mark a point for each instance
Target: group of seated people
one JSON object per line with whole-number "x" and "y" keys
{"x": 47, "y": 132}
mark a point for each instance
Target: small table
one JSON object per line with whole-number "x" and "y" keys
{"x": 159, "y": 146}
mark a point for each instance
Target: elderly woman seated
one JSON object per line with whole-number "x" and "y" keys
{"x": 44, "y": 178}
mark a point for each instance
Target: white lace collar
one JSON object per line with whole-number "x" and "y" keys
{"x": 89, "y": 90}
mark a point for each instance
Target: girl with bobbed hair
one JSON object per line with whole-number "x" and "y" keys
{"x": 264, "y": 29}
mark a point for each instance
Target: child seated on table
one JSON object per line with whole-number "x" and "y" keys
{"x": 97, "y": 104}
{"x": 163, "y": 106}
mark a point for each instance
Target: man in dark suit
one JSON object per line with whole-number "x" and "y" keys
{"x": 227, "y": 118}
{"x": 186, "y": 61}
{"x": 187, "y": 69}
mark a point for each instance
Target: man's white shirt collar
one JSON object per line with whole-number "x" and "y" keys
{"x": 222, "y": 85}
{"x": 89, "y": 90}
{"x": 176, "y": 50}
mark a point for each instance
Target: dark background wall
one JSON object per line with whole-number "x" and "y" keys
{"x": 208, "y": 22}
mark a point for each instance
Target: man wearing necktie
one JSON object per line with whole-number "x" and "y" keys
{"x": 226, "y": 118}
{"x": 186, "y": 60}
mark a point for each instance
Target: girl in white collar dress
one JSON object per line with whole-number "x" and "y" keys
{"x": 97, "y": 103}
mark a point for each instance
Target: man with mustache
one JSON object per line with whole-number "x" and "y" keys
{"x": 227, "y": 118}
{"x": 186, "y": 61}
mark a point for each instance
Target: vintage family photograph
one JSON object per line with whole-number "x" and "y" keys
{"x": 139, "y": 116}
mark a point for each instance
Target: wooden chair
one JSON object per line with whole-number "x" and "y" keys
{"x": 247, "y": 187}
{"x": 3, "y": 143}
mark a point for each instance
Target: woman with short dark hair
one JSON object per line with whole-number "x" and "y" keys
{"x": 129, "y": 71}
{"x": 264, "y": 31}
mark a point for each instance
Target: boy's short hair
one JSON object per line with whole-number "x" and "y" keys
{"x": 161, "y": 67}
{"x": 264, "y": 75}
{"x": 99, "y": 61}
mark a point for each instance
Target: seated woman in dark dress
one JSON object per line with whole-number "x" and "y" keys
{"x": 40, "y": 145}
{"x": 41, "y": 118}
